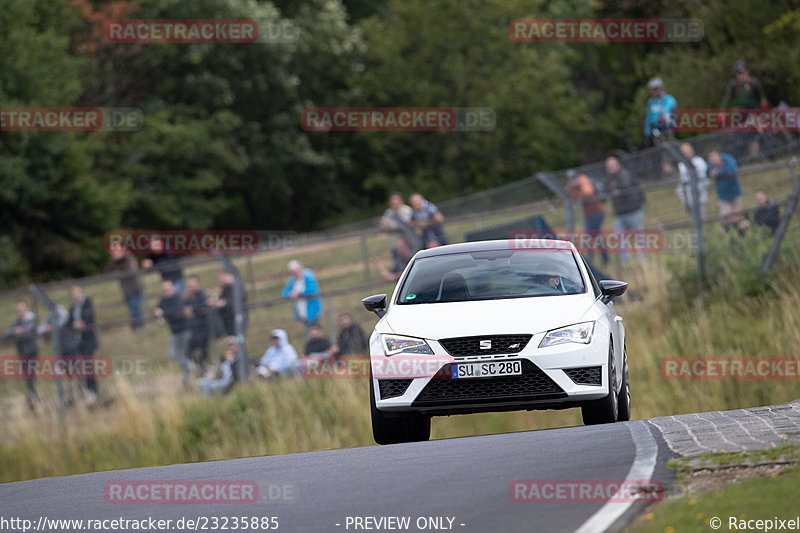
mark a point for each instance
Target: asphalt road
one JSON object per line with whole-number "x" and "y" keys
{"x": 457, "y": 484}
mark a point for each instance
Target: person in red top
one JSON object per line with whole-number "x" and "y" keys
{"x": 580, "y": 188}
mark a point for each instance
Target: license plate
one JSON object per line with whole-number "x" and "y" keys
{"x": 485, "y": 370}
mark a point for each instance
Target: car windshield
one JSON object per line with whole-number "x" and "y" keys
{"x": 491, "y": 275}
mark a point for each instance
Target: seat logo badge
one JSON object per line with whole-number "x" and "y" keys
{"x": 486, "y": 344}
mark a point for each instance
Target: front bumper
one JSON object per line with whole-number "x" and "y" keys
{"x": 555, "y": 377}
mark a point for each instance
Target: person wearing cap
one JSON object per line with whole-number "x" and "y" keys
{"x": 661, "y": 109}
{"x": 580, "y": 188}
{"x": 744, "y": 92}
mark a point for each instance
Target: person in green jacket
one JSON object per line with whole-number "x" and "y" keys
{"x": 745, "y": 92}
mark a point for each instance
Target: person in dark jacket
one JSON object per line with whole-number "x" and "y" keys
{"x": 352, "y": 340}
{"x": 195, "y": 307}
{"x": 125, "y": 264}
{"x": 768, "y": 213}
{"x": 82, "y": 321}
{"x": 627, "y": 198}
{"x": 224, "y": 304}
{"x": 318, "y": 345}
{"x": 23, "y": 332}
{"x": 170, "y": 309}
{"x": 165, "y": 263}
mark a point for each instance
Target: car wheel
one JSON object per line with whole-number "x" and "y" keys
{"x": 604, "y": 410}
{"x": 418, "y": 428}
{"x": 624, "y": 398}
{"x": 394, "y": 430}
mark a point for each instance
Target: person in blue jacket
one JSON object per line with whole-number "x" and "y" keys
{"x": 661, "y": 113}
{"x": 303, "y": 290}
{"x": 722, "y": 169}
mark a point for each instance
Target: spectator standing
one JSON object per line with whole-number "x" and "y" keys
{"x": 195, "y": 308}
{"x": 722, "y": 168}
{"x": 170, "y": 309}
{"x": 768, "y": 213}
{"x": 68, "y": 338}
{"x": 745, "y": 92}
{"x": 400, "y": 259}
{"x": 302, "y": 289}
{"x": 165, "y": 263}
{"x": 351, "y": 340}
{"x": 427, "y": 218}
{"x": 280, "y": 358}
{"x": 225, "y": 377}
{"x": 318, "y": 345}
{"x": 396, "y": 222}
{"x": 82, "y": 322}
{"x": 660, "y": 113}
{"x": 684, "y": 189}
{"x": 124, "y": 263}
{"x": 580, "y": 188}
{"x": 23, "y": 332}
{"x": 223, "y": 303}
{"x": 628, "y": 200}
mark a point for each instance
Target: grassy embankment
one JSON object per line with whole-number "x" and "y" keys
{"x": 152, "y": 421}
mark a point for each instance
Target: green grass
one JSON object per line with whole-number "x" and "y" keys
{"x": 765, "y": 497}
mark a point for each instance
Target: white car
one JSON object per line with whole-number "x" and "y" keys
{"x": 495, "y": 326}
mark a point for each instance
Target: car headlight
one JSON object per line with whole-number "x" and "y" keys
{"x": 580, "y": 333}
{"x": 396, "y": 344}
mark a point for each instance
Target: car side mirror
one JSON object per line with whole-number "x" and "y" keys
{"x": 611, "y": 289}
{"x": 375, "y": 303}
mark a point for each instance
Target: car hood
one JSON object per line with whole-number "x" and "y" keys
{"x": 488, "y": 317}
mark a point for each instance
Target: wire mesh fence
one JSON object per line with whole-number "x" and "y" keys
{"x": 344, "y": 264}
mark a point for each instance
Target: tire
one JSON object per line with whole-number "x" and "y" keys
{"x": 603, "y": 410}
{"x": 394, "y": 430}
{"x": 624, "y": 397}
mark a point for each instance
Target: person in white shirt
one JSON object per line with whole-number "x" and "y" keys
{"x": 684, "y": 189}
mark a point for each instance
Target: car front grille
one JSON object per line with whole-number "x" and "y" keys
{"x": 531, "y": 385}
{"x": 392, "y": 388}
{"x": 587, "y": 375}
{"x": 500, "y": 344}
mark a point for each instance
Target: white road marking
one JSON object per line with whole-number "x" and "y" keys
{"x": 643, "y": 466}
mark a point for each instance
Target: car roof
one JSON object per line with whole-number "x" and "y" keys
{"x": 502, "y": 244}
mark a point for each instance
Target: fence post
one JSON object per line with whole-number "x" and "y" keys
{"x": 331, "y": 321}
{"x": 784, "y": 225}
{"x": 569, "y": 216}
{"x": 697, "y": 215}
{"x": 55, "y": 339}
{"x": 365, "y": 258}
{"x": 238, "y": 311}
